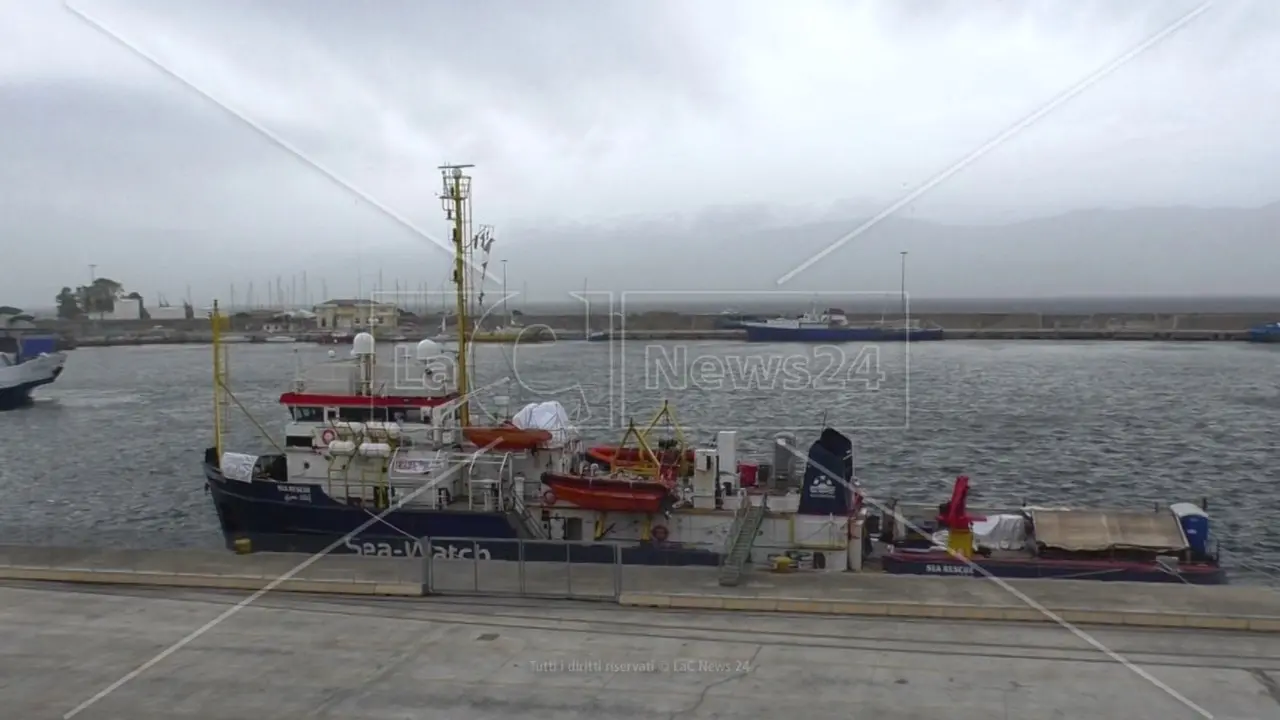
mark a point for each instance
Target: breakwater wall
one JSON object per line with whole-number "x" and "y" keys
{"x": 658, "y": 326}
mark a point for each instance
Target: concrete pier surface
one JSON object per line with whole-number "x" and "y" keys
{"x": 1240, "y": 608}
{"x": 308, "y": 656}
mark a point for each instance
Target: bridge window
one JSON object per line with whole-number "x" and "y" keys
{"x": 306, "y": 414}
{"x": 359, "y": 414}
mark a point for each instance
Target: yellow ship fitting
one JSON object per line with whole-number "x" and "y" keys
{"x": 648, "y": 464}
{"x": 960, "y": 543}
{"x": 667, "y": 413}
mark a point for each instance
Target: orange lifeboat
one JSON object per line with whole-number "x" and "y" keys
{"x": 507, "y": 437}
{"x": 633, "y": 459}
{"x": 608, "y": 494}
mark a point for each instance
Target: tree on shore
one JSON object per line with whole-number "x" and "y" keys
{"x": 99, "y": 297}
{"x": 68, "y": 302}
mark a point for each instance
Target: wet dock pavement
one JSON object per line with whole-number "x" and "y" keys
{"x": 1087, "y": 602}
{"x": 297, "y": 655}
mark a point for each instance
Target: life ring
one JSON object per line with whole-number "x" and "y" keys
{"x": 659, "y": 533}
{"x": 549, "y": 497}
{"x": 328, "y": 436}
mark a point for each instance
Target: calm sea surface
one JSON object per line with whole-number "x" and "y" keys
{"x": 110, "y": 454}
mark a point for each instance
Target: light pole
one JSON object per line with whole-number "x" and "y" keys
{"x": 504, "y": 293}
{"x": 903, "y": 286}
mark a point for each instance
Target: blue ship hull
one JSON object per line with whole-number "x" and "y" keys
{"x": 296, "y": 517}
{"x": 1265, "y": 334}
{"x": 779, "y": 334}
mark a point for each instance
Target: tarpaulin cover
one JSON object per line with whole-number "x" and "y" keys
{"x": 549, "y": 416}
{"x": 1100, "y": 530}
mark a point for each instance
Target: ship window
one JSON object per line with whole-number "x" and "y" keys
{"x": 307, "y": 414}
{"x": 298, "y": 441}
{"x": 356, "y": 414}
{"x": 411, "y": 415}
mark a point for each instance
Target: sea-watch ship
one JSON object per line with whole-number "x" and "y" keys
{"x": 392, "y": 459}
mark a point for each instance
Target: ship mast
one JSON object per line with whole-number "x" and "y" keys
{"x": 220, "y": 374}
{"x": 456, "y": 201}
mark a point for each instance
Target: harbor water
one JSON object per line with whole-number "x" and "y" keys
{"x": 109, "y": 455}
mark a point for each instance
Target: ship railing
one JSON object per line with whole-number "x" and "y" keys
{"x": 916, "y": 509}
{"x": 500, "y": 477}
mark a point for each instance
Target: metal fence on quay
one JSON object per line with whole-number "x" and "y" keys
{"x": 556, "y": 569}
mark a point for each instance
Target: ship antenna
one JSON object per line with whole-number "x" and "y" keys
{"x": 456, "y": 201}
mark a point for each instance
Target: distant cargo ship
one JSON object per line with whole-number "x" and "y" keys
{"x": 831, "y": 326}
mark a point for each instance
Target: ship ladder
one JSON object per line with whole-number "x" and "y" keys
{"x": 524, "y": 521}
{"x": 339, "y": 472}
{"x": 373, "y": 474}
{"x": 742, "y": 536}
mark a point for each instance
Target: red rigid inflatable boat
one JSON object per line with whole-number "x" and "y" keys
{"x": 607, "y": 494}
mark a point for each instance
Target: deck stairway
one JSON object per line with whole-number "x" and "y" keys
{"x": 526, "y": 525}
{"x": 742, "y": 536}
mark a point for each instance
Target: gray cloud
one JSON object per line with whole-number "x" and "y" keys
{"x": 607, "y": 132}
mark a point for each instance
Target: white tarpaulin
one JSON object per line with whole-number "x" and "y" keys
{"x": 1001, "y": 532}
{"x": 238, "y": 466}
{"x": 998, "y": 532}
{"x": 549, "y": 416}
{"x": 1105, "y": 530}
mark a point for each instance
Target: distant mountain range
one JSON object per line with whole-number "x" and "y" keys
{"x": 1150, "y": 251}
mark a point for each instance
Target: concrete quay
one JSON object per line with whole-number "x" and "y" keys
{"x": 307, "y": 656}
{"x": 212, "y": 569}
{"x": 1238, "y": 608}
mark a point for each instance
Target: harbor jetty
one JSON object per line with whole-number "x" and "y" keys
{"x": 468, "y": 656}
{"x": 674, "y": 327}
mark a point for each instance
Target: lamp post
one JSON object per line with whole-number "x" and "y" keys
{"x": 504, "y": 293}
{"x": 903, "y": 286}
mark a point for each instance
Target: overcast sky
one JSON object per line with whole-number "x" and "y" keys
{"x": 613, "y": 113}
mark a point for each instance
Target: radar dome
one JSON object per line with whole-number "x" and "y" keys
{"x": 362, "y": 344}
{"x": 427, "y": 349}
